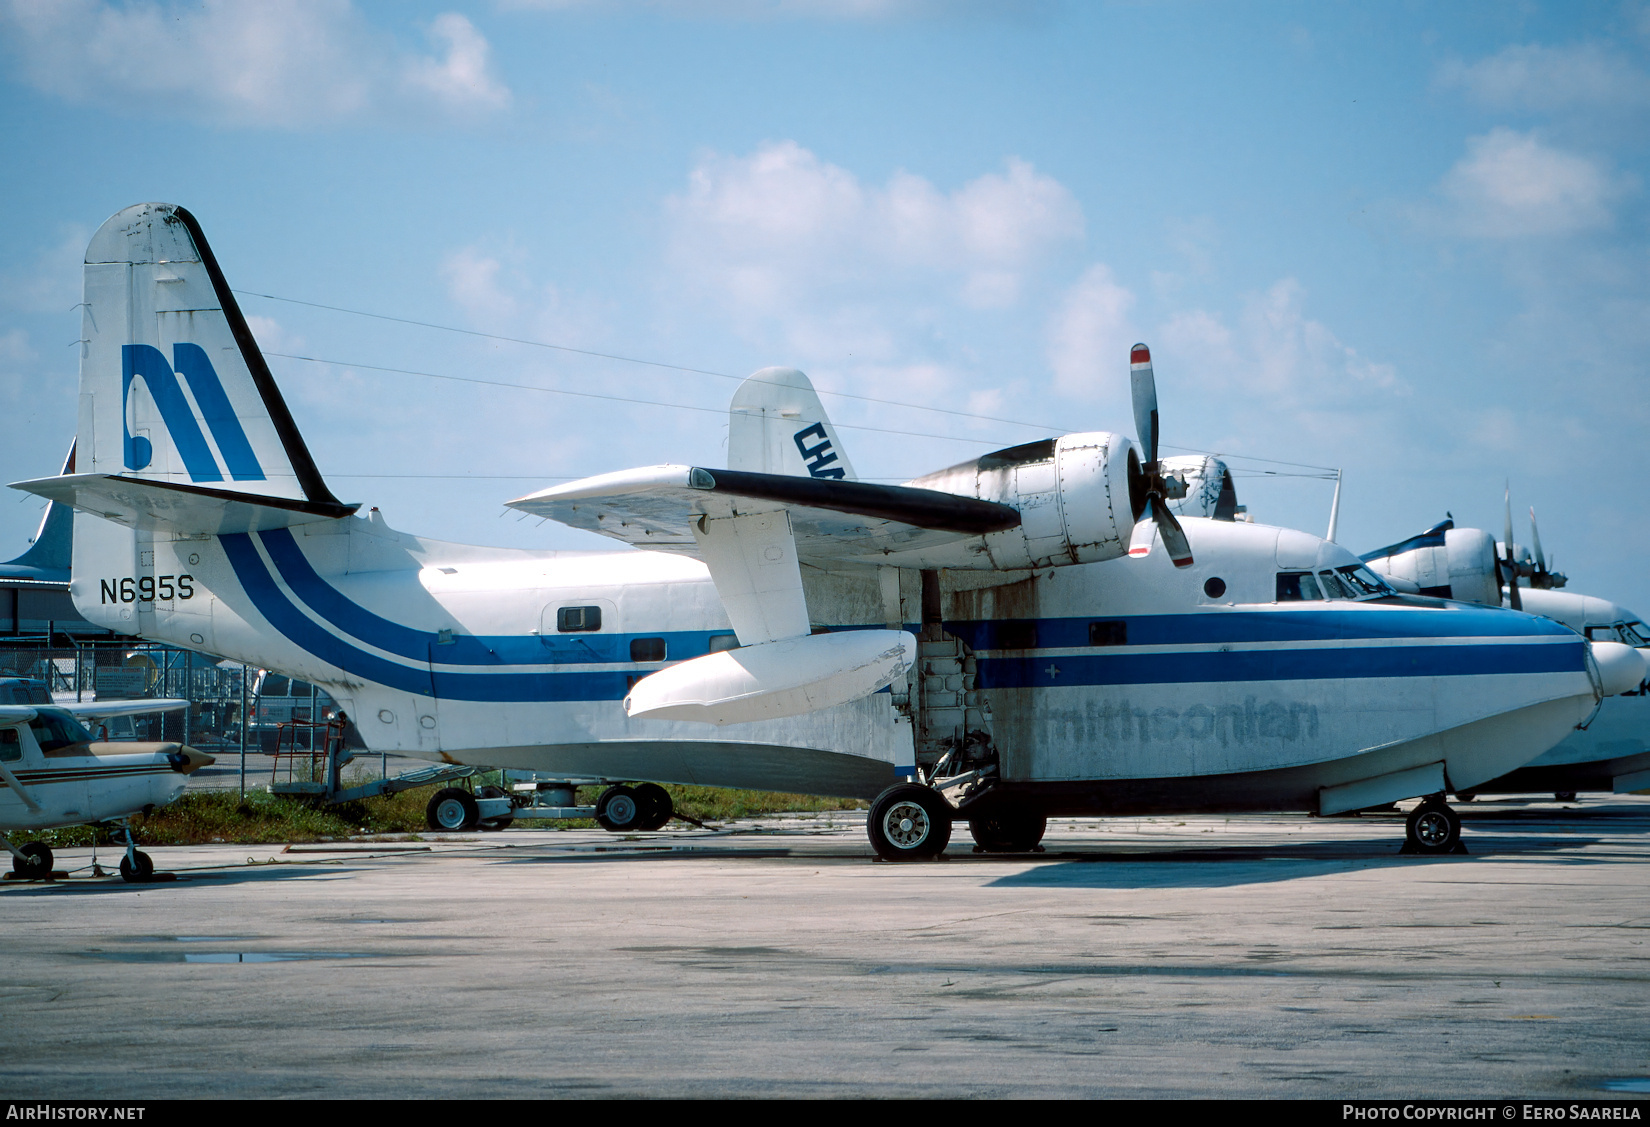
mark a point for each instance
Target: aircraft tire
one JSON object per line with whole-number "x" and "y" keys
{"x": 137, "y": 868}
{"x": 1433, "y": 827}
{"x": 453, "y": 810}
{"x": 619, "y": 811}
{"x": 1564, "y": 796}
{"x": 909, "y": 823}
{"x": 39, "y": 863}
{"x": 656, "y": 805}
{"x": 1008, "y": 831}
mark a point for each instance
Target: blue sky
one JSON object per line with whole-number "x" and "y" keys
{"x": 1407, "y": 240}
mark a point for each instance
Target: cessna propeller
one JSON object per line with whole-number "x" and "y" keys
{"x": 1159, "y": 487}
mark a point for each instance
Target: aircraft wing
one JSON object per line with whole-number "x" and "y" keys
{"x": 656, "y": 507}
{"x": 16, "y": 715}
{"x": 104, "y": 709}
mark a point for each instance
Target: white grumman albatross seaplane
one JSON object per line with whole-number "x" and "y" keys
{"x": 1040, "y": 656}
{"x": 1610, "y": 752}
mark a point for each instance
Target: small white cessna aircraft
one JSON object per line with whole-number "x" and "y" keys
{"x": 1611, "y": 752}
{"x": 746, "y": 647}
{"x": 53, "y": 773}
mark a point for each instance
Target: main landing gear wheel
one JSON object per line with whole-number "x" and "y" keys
{"x": 909, "y": 823}
{"x": 136, "y": 867}
{"x": 39, "y": 863}
{"x": 452, "y": 810}
{"x": 1008, "y": 831}
{"x": 619, "y": 810}
{"x": 1433, "y": 828}
{"x": 1564, "y": 796}
{"x": 656, "y": 805}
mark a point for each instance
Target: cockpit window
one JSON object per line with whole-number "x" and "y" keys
{"x": 1363, "y": 583}
{"x": 1351, "y": 582}
{"x": 1633, "y": 633}
{"x": 53, "y": 731}
{"x": 1295, "y": 586}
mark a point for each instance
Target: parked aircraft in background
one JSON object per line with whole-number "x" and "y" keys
{"x": 54, "y": 773}
{"x": 1612, "y": 751}
{"x": 1065, "y": 664}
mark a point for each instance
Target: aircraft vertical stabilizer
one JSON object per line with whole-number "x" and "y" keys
{"x": 777, "y": 425}
{"x": 180, "y": 425}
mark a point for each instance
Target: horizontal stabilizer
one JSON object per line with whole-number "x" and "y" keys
{"x": 173, "y": 507}
{"x": 655, "y": 507}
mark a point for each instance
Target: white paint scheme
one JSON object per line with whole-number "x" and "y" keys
{"x": 1216, "y": 701}
{"x": 752, "y": 560}
{"x": 775, "y": 679}
{"x": 89, "y": 780}
{"x": 1621, "y": 669}
{"x": 1612, "y": 751}
{"x": 776, "y": 424}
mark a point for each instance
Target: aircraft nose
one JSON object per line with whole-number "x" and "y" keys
{"x": 186, "y": 760}
{"x": 1621, "y": 668}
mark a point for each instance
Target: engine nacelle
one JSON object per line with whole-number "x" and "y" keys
{"x": 1444, "y": 561}
{"x": 1079, "y": 497}
{"x": 1209, "y": 489}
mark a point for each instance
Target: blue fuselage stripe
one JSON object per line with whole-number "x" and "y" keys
{"x": 1436, "y": 658}
{"x": 1277, "y": 665}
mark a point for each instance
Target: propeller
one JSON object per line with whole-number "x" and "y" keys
{"x": 1159, "y": 487}
{"x": 1509, "y": 566}
{"x": 1512, "y": 568}
{"x": 1542, "y": 577}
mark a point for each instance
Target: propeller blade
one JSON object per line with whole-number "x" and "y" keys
{"x": 1501, "y": 569}
{"x": 1140, "y": 541}
{"x": 1535, "y": 538}
{"x": 1174, "y": 537}
{"x": 1144, "y": 386}
{"x": 1508, "y": 540}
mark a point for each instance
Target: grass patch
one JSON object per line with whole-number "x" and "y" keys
{"x": 208, "y": 817}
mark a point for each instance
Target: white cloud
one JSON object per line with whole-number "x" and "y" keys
{"x": 464, "y": 77}
{"x": 1512, "y": 184}
{"x": 285, "y": 65}
{"x": 1531, "y": 76}
{"x": 272, "y": 336}
{"x": 52, "y": 282}
{"x": 1276, "y": 368}
{"x": 780, "y": 225}
{"x": 1090, "y": 334}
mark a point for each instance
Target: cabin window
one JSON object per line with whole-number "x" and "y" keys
{"x": 647, "y": 649}
{"x": 1016, "y": 635}
{"x": 1297, "y": 586}
{"x": 11, "y": 748}
{"x": 1114, "y": 633}
{"x": 722, "y": 642}
{"x": 574, "y": 620}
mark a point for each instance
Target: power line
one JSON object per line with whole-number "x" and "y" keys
{"x": 598, "y": 395}
{"x": 631, "y": 359}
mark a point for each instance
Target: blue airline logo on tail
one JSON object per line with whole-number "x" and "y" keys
{"x": 146, "y": 362}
